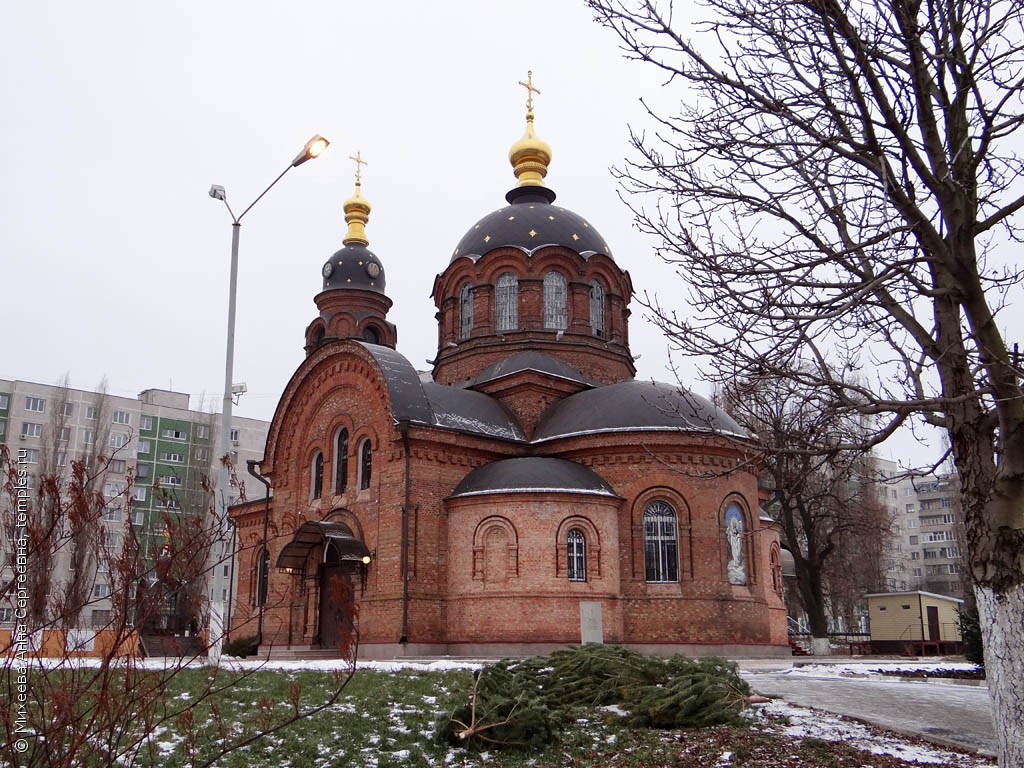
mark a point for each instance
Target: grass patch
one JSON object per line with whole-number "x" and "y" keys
{"x": 387, "y": 720}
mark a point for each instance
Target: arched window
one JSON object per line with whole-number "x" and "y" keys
{"x": 507, "y": 303}
{"x": 260, "y": 577}
{"x": 597, "y": 308}
{"x": 576, "y": 555}
{"x": 775, "y": 560}
{"x": 365, "y": 464}
{"x": 554, "y": 302}
{"x": 371, "y": 335}
{"x": 317, "y": 486}
{"x": 661, "y": 543}
{"x": 466, "y": 311}
{"x": 341, "y": 461}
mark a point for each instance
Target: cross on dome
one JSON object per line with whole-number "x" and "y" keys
{"x": 530, "y": 90}
{"x": 358, "y": 158}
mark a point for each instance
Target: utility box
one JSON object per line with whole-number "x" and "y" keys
{"x": 914, "y": 623}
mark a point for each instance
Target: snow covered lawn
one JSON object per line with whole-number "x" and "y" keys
{"x": 388, "y": 716}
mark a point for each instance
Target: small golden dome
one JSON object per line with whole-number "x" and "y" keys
{"x": 530, "y": 156}
{"x": 357, "y": 210}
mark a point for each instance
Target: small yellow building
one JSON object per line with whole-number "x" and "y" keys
{"x": 914, "y": 623}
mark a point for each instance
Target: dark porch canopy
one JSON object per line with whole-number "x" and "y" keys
{"x": 312, "y": 534}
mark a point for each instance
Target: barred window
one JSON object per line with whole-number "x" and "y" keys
{"x": 466, "y": 311}
{"x": 554, "y": 302}
{"x": 507, "y": 303}
{"x": 576, "y": 555}
{"x": 661, "y": 543}
{"x": 597, "y": 308}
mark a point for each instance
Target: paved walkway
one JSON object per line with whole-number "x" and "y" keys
{"x": 945, "y": 713}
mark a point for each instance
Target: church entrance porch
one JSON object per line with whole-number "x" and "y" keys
{"x": 328, "y": 561}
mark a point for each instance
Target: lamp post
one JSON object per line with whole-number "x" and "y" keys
{"x": 313, "y": 148}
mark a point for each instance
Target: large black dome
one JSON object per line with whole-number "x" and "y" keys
{"x": 528, "y": 223}
{"x": 354, "y": 266}
{"x": 532, "y": 474}
{"x": 635, "y": 406}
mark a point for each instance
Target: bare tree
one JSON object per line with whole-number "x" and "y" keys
{"x": 857, "y": 567}
{"x": 821, "y": 493}
{"x": 57, "y": 711}
{"x": 53, "y": 458}
{"x": 842, "y": 185}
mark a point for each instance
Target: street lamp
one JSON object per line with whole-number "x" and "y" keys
{"x": 313, "y": 148}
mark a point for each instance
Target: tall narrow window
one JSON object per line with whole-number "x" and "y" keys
{"x": 576, "y": 555}
{"x": 341, "y": 461}
{"x": 507, "y": 303}
{"x": 554, "y": 302}
{"x": 261, "y": 577}
{"x": 365, "y": 464}
{"x": 317, "y": 489}
{"x": 597, "y": 308}
{"x": 466, "y": 311}
{"x": 661, "y": 543}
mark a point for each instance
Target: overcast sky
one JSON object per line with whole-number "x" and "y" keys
{"x": 120, "y": 115}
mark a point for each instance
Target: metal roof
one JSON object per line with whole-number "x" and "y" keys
{"x": 532, "y": 475}
{"x": 635, "y": 406}
{"x": 438, "y": 405}
{"x": 312, "y": 534}
{"x": 531, "y": 361}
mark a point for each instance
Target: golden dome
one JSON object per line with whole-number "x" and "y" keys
{"x": 357, "y": 210}
{"x": 530, "y": 156}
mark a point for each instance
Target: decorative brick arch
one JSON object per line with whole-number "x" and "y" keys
{"x": 593, "y": 546}
{"x": 347, "y": 518}
{"x": 305, "y": 394}
{"x": 502, "y": 260}
{"x": 496, "y": 529}
{"x": 315, "y": 334}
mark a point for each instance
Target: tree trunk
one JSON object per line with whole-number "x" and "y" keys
{"x": 814, "y": 604}
{"x": 1003, "y": 633}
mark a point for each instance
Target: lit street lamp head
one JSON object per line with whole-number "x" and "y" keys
{"x": 314, "y": 148}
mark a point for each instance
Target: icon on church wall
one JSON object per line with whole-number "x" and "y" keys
{"x": 737, "y": 568}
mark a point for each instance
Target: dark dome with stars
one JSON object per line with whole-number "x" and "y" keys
{"x": 528, "y": 223}
{"x": 354, "y": 267}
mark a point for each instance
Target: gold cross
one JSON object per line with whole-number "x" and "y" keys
{"x": 359, "y": 161}
{"x": 530, "y": 90}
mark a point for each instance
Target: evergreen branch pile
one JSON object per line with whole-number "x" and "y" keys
{"x": 525, "y": 703}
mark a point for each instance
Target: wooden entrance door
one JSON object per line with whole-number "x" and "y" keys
{"x": 934, "y": 631}
{"x": 337, "y": 596}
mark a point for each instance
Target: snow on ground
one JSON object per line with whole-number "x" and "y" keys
{"x": 862, "y": 668}
{"x": 802, "y": 722}
{"x": 250, "y": 665}
{"x": 808, "y": 723}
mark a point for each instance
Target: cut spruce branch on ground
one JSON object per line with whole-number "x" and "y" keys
{"x": 389, "y": 713}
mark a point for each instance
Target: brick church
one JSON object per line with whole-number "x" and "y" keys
{"x": 525, "y": 493}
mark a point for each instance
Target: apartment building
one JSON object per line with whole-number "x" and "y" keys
{"x": 926, "y": 552}
{"x": 159, "y": 449}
